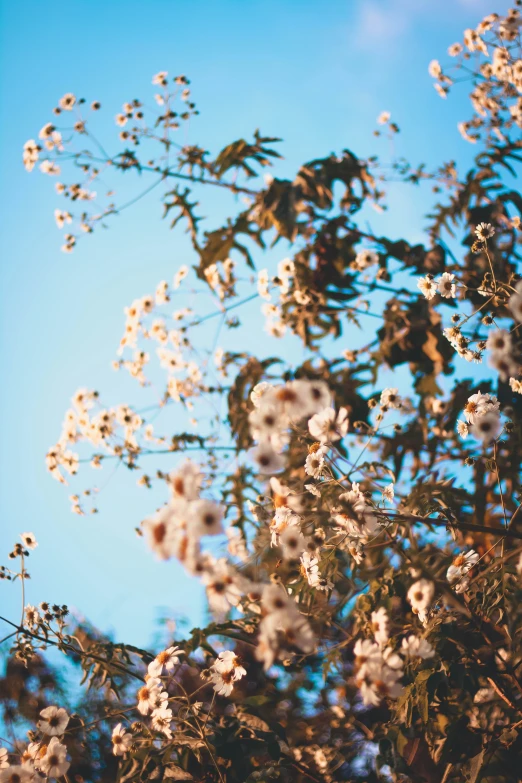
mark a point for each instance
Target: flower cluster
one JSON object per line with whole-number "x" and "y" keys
{"x": 497, "y": 80}
{"x": 226, "y": 671}
{"x": 355, "y": 550}
{"x": 379, "y": 668}
{"x": 482, "y": 418}
{"x": 45, "y": 756}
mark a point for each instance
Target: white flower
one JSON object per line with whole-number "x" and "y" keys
{"x": 205, "y": 518}
{"x": 390, "y": 398}
{"x": 29, "y": 540}
{"x": 461, "y": 565}
{"x": 428, "y": 286}
{"x": 383, "y": 117}
{"x": 282, "y": 631}
{"x": 462, "y": 585}
{"x": 487, "y": 428}
{"x": 292, "y": 542}
{"x": 314, "y": 463}
{"x": 275, "y": 599}
{"x": 285, "y": 268}
{"x": 266, "y": 421}
{"x": 236, "y": 543}
{"x": 259, "y": 391}
{"x": 504, "y": 364}
{"x": 4, "y": 758}
{"x": 434, "y": 69}
{"x": 296, "y": 401}
{"x": 365, "y": 650}
{"x": 317, "y": 396}
{"x": 366, "y": 258}
{"x": 160, "y": 532}
{"x": 62, "y": 217}
{"x": 420, "y": 596}
{"x": 161, "y": 718}
{"x": 388, "y": 492}
{"x": 48, "y": 167}
{"x": 284, "y": 496}
{"x": 356, "y": 550}
{"x": 223, "y": 682}
{"x": 32, "y": 753}
{"x": 149, "y": 695}
{"x": 225, "y": 672}
{"x": 180, "y": 274}
{"x": 484, "y": 231}
{"x": 47, "y": 131}
{"x": 391, "y": 659}
{"x": 478, "y": 405}
{"x": 160, "y": 78}
{"x": 267, "y": 458}
{"x": 415, "y": 646}
{"x": 166, "y": 659}
{"x": 32, "y": 615}
{"x": 228, "y": 660}
{"x": 446, "y": 287}
{"x": 499, "y": 341}
{"x": 310, "y": 568}
{"x": 329, "y": 426}
{"x": 356, "y": 517}
{"x": 515, "y": 305}
{"x": 380, "y": 626}
{"x": 55, "y": 720}
{"x": 377, "y": 680}
{"x": 221, "y": 585}
{"x": 262, "y": 285}
{"x": 54, "y": 763}
{"x": 30, "y": 154}
{"x": 462, "y": 428}
{"x": 121, "y": 740}
{"x": 16, "y": 774}
{"x": 283, "y": 518}
{"x": 186, "y": 481}
{"x": 516, "y": 386}
{"x": 67, "y": 101}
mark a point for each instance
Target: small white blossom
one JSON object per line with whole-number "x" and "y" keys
{"x": 484, "y": 231}
{"x": 29, "y": 540}
{"x": 54, "y": 721}
{"x": 446, "y": 287}
{"x": 54, "y": 763}
{"x": 461, "y": 565}
{"x": 428, "y": 286}
{"x": 420, "y": 596}
{"x": 121, "y": 740}
{"x": 166, "y": 659}
{"x": 329, "y": 426}
{"x": 415, "y": 646}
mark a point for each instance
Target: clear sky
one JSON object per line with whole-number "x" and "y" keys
{"x": 316, "y": 74}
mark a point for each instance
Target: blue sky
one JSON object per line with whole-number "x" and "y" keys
{"x": 315, "y": 74}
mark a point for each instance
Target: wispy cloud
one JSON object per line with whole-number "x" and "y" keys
{"x": 379, "y": 24}
{"x": 386, "y": 23}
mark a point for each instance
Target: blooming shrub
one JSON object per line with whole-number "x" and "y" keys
{"x": 359, "y": 543}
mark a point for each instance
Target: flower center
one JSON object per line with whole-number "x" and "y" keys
{"x": 159, "y": 532}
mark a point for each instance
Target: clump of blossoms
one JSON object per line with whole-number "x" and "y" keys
{"x": 360, "y": 554}
{"x": 45, "y": 756}
{"x": 379, "y": 667}
{"x": 226, "y": 671}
